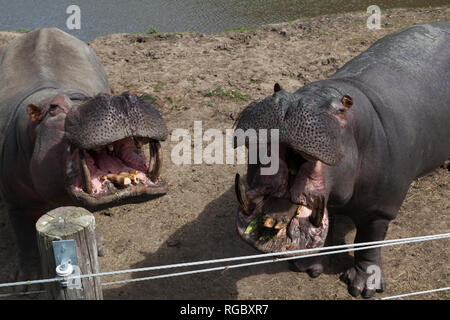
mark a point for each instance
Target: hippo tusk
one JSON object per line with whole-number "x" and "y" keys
{"x": 242, "y": 198}
{"x": 151, "y": 163}
{"x": 110, "y": 148}
{"x": 156, "y": 157}
{"x": 318, "y": 211}
{"x": 85, "y": 174}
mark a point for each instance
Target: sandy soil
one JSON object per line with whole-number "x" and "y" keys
{"x": 195, "y": 220}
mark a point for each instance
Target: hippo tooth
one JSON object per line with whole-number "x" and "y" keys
{"x": 155, "y": 171}
{"x": 241, "y": 195}
{"x": 110, "y": 147}
{"x": 318, "y": 211}
{"x": 85, "y": 174}
{"x": 151, "y": 163}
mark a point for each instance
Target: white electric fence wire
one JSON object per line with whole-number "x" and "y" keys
{"x": 267, "y": 261}
{"x": 351, "y": 247}
{"x": 414, "y": 293}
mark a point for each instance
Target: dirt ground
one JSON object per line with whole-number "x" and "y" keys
{"x": 196, "y": 219}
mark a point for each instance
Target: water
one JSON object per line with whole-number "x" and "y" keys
{"x": 99, "y": 17}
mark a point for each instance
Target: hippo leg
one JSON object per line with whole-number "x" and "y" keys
{"x": 315, "y": 266}
{"x": 28, "y": 263}
{"x": 356, "y": 277}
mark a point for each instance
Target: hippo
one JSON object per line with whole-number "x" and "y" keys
{"x": 65, "y": 140}
{"x": 349, "y": 145}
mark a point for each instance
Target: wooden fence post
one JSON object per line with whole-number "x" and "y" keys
{"x": 67, "y": 223}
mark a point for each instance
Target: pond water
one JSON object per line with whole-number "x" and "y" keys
{"x": 101, "y": 17}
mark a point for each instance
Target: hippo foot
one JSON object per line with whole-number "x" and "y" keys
{"x": 313, "y": 266}
{"x": 359, "y": 283}
{"x": 446, "y": 165}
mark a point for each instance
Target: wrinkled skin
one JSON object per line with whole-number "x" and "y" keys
{"x": 356, "y": 140}
{"x": 62, "y": 134}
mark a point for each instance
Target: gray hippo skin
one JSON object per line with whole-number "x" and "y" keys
{"x": 351, "y": 145}
{"x": 64, "y": 139}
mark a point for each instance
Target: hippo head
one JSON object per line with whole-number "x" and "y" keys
{"x": 93, "y": 148}
{"x": 287, "y": 210}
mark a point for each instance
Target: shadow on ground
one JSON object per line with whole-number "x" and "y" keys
{"x": 209, "y": 236}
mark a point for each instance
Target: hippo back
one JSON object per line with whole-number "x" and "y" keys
{"x": 43, "y": 59}
{"x": 406, "y": 77}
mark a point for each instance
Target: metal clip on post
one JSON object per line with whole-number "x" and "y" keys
{"x": 66, "y": 263}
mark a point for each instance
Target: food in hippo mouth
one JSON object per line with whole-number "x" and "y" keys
{"x": 118, "y": 165}
{"x": 293, "y": 218}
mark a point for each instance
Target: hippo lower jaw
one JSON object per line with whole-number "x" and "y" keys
{"x": 298, "y": 220}
{"x": 119, "y": 172}
{"x": 298, "y": 233}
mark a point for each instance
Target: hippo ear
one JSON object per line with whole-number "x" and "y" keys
{"x": 277, "y": 87}
{"x": 35, "y": 112}
{"x": 347, "y": 101}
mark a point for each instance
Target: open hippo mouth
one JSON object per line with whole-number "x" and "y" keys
{"x": 114, "y": 153}
{"x": 286, "y": 211}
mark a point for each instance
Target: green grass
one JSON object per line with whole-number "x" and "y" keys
{"x": 20, "y": 31}
{"x": 158, "y": 86}
{"x": 148, "y": 97}
{"x": 152, "y": 30}
{"x": 228, "y": 94}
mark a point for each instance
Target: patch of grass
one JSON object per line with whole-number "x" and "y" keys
{"x": 148, "y": 97}
{"x": 152, "y": 30}
{"x": 257, "y": 81}
{"x": 19, "y": 31}
{"x": 240, "y": 28}
{"x": 210, "y": 104}
{"x": 228, "y": 94}
{"x": 158, "y": 86}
